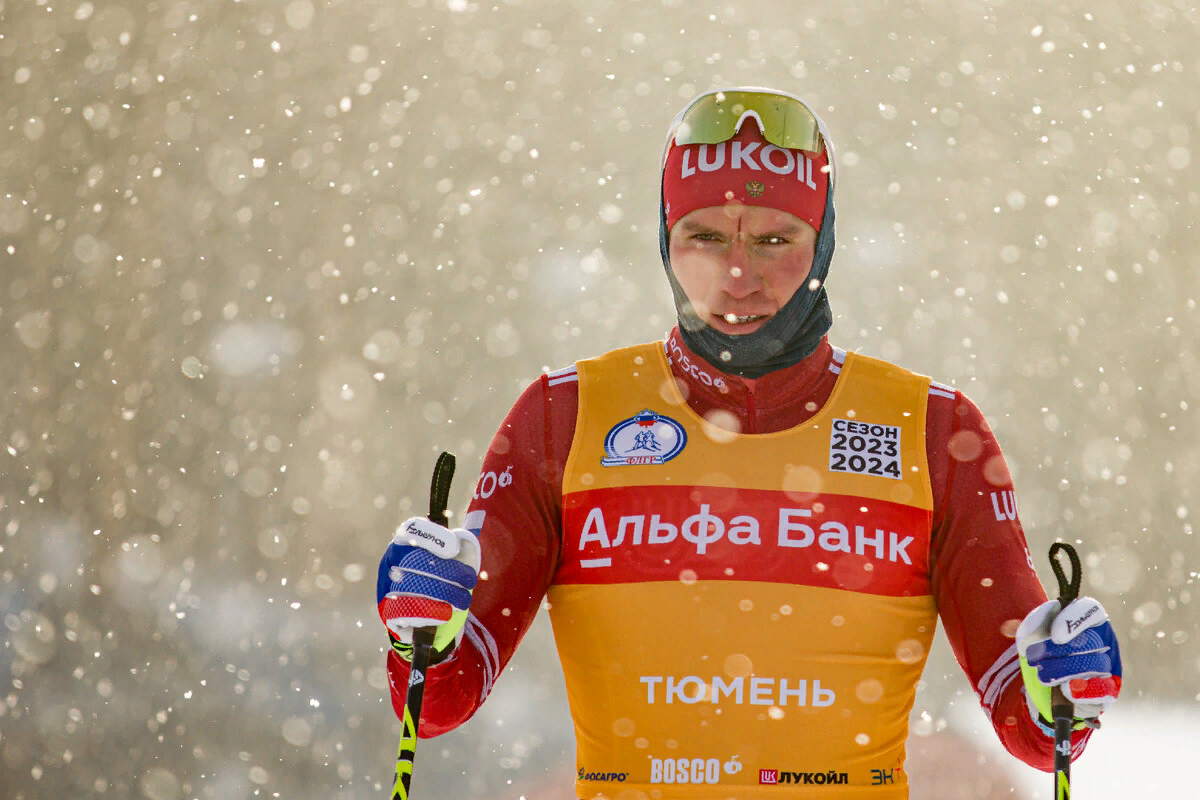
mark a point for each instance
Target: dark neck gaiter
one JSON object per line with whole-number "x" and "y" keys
{"x": 788, "y": 338}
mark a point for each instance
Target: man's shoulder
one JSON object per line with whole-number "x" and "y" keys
{"x": 548, "y": 403}
{"x": 570, "y": 373}
{"x": 622, "y": 354}
{"x": 936, "y": 388}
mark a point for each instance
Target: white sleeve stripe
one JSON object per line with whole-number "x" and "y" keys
{"x": 488, "y": 677}
{"x": 567, "y": 379}
{"x": 492, "y": 652}
{"x": 558, "y": 373}
{"x": 473, "y": 521}
{"x": 999, "y": 685}
{"x": 942, "y": 386}
{"x": 486, "y": 645}
{"x": 939, "y": 393}
{"x": 839, "y": 357}
{"x": 1000, "y": 664}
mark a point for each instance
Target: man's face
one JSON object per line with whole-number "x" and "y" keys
{"x": 739, "y": 265}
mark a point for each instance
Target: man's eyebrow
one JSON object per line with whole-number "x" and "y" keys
{"x": 789, "y": 229}
{"x": 691, "y": 226}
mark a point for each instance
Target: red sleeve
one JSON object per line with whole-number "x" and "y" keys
{"x": 983, "y": 577}
{"x": 517, "y": 512}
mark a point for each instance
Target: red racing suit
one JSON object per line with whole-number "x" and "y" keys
{"x": 975, "y": 533}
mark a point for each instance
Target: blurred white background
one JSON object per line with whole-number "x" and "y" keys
{"x": 260, "y": 261}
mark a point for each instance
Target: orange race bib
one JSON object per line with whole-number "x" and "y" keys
{"x": 743, "y": 615}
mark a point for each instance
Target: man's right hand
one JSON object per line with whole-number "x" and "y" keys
{"x": 426, "y": 577}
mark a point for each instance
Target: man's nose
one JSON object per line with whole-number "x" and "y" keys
{"x": 739, "y": 279}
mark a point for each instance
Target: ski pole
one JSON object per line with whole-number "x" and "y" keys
{"x": 439, "y": 495}
{"x": 1060, "y": 706}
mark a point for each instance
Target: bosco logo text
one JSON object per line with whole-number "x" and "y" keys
{"x": 685, "y": 770}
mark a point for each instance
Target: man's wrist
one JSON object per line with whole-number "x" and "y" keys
{"x": 1031, "y": 695}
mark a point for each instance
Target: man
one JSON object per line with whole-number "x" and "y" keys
{"x": 745, "y": 534}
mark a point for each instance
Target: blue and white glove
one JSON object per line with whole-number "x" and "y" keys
{"x": 1074, "y": 649}
{"x": 425, "y": 579}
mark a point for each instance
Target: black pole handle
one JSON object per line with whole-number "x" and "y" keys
{"x": 439, "y": 488}
{"x": 439, "y": 496}
{"x": 1068, "y": 588}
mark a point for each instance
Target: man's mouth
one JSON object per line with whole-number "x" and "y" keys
{"x": 743, "y": 319}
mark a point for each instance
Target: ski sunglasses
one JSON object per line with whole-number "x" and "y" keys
{"x": 784, "y": 119}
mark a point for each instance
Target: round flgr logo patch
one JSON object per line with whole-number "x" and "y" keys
{"x": 646, "y": 438}
{"x": 755, "y": 188}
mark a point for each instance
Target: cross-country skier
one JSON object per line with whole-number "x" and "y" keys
{"x": 745, "y": 534}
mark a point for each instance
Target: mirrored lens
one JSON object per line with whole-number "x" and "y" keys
{"x": 786, "y": 122}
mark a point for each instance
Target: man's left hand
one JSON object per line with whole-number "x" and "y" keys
{"x": 1073, "y": 648}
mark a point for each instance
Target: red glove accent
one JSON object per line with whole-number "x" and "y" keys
{"x": 411, "y": 606}
{"x": 1086, "y": 688}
